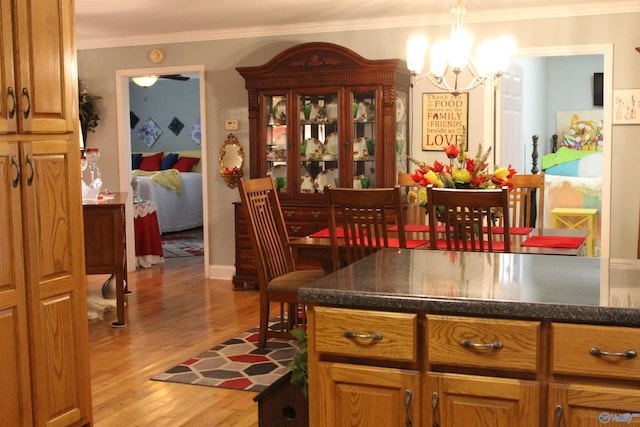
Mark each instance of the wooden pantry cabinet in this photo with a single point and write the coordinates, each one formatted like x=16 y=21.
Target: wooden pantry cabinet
x=43 y=317
x=320 y=114
x=455 y=371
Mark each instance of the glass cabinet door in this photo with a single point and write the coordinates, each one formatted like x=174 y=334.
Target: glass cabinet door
x=319 y=141
x=402 y=130
x=364 y=137
x=277 y=140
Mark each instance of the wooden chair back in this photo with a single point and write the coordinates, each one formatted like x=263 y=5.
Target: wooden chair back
x=416 y=214
x=526 y=200
x=364 y=216
x=267 y=229
x=468 y=216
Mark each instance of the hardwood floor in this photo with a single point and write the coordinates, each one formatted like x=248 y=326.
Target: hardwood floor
x=173 y=314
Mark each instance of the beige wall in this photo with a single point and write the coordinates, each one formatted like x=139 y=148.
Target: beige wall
x=226 y=99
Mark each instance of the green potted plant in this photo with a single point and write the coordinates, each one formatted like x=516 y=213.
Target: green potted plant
x=299 y=364
x=88 y=110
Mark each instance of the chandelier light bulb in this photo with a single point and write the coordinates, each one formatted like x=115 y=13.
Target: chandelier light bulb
x=416 y=50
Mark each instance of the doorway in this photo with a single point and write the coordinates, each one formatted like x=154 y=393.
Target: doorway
x=124 y=146
x=606 y=52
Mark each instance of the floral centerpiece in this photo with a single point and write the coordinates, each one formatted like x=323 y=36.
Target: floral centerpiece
x=463 y=171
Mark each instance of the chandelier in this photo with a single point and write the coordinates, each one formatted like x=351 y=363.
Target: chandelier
x=454 y=56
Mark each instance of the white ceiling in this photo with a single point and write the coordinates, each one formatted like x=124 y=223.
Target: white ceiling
x=111 y=23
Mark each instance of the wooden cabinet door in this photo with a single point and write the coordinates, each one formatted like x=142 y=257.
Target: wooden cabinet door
x=56 y=289
x=466 y=400
x=575 y=405
x=354 y=395
x=15 y=399
x=9 y=104
x=46 y=76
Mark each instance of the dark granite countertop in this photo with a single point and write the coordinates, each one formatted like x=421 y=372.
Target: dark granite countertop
x=523 y=286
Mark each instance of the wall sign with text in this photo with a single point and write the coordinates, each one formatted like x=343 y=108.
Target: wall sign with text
x=444 y=118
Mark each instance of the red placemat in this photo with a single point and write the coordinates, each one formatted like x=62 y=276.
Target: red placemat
x=554 y=242
x=325 y=233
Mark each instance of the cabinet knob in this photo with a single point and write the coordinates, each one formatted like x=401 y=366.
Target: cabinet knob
x=316 y=214
x=295 y=228
x=289 y=214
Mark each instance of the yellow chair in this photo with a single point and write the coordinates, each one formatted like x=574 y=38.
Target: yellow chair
x=278 y=279
x=574 y=219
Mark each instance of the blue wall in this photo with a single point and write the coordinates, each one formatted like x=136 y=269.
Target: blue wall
x=162 y=102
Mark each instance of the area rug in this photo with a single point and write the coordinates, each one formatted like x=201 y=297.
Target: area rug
x=236 y=364
x=183 y=243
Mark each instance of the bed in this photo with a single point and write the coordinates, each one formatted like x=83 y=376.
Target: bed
x=177 y=195
x=573 y=179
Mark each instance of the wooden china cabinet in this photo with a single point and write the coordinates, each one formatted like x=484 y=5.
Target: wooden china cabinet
x=44 y=347
x=320 y=114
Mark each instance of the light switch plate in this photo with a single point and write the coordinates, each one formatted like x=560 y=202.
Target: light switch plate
x=231 y=125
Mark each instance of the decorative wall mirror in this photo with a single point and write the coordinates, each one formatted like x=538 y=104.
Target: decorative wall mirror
x=231 y=161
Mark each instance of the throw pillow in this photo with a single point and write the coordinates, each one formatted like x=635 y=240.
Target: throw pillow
x=136 y=159
x=168 y=161
x=151 y=163
x=185 y=164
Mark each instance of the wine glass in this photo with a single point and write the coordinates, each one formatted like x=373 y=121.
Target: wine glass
x=92 y=155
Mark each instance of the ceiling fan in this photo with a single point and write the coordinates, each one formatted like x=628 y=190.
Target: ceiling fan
x=179 y=77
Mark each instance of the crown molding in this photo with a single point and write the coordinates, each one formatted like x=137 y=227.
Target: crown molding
x=429 y=20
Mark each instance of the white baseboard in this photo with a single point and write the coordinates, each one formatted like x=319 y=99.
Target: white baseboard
x=222 y=272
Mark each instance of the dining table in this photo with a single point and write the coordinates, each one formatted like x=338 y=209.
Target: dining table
x=317 y=246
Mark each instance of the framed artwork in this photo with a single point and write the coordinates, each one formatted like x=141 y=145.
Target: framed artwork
x=149 y=132
x=626 y=107
x=444 y=118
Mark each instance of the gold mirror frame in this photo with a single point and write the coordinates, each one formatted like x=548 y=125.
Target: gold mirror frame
x=231 y=161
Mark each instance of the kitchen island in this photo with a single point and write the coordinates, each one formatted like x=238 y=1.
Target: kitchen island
x=422 y=338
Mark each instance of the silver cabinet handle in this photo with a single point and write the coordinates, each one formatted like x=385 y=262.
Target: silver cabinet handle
x=289 y=214
x=13 y=98
x=434 y=410
x=30 y=163
x=407 y=406
x=492 y=345
x=559 y=413
x=15 y=164
x=26 y=112
x=629 y=354
x=372 y=335
x=316 y=214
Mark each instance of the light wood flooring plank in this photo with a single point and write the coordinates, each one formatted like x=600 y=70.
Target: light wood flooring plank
x=173 y=314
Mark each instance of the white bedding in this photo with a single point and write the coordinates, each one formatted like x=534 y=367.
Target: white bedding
x=176 y=212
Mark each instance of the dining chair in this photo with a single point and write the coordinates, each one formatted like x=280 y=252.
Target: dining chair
x=364 y=218
x=468 y=216
x=526 y=200
x=416 y=214
x=278 y=280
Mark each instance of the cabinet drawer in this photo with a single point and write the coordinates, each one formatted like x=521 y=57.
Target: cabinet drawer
x=572 y=344
x=483 y=343
x=399 y=332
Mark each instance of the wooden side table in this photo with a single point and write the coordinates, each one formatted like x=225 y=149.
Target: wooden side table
x=576 y=218
x=104 y=243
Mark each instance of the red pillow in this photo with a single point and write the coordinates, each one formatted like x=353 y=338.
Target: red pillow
x=185 y=164
x=151 y=163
